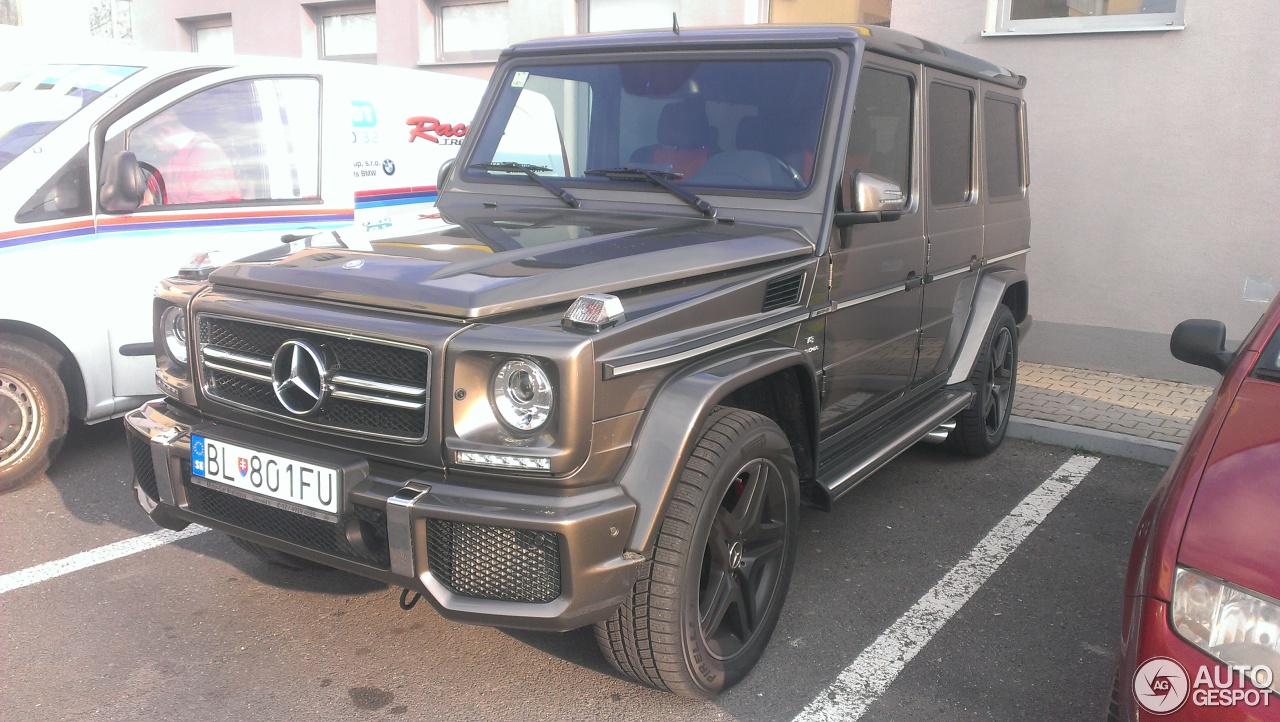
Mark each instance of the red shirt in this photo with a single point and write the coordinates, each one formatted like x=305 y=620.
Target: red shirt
x=200 y=172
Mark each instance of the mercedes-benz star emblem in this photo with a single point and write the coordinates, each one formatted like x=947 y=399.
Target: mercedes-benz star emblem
x=298 y=375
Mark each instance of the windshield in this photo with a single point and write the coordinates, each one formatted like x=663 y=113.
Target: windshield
x=35 y=99
x=733 y=124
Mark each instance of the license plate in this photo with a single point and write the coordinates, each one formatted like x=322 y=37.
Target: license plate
x=266 y=478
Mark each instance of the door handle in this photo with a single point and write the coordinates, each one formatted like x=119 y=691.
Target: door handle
x=914 y=281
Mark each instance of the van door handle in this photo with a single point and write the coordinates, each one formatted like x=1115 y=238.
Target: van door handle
x=914 y=281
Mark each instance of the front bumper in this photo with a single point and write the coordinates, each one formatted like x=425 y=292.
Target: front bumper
x=1151 y=637
x=510 y=557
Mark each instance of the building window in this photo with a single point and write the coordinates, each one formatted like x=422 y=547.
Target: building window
x=865 y=12
x=348 y=33
x=471 y=30
x=111 y=19
x=210 y=34
x=606 y=15
x=1043 y=17
x=9 y=12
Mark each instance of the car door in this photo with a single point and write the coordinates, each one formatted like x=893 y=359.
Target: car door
x=232 y=162
x=877 y=268
x=953 y=218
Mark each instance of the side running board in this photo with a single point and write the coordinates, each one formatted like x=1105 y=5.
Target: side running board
x=871 y=452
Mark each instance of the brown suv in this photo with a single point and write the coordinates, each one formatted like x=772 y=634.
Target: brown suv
x=684 y=283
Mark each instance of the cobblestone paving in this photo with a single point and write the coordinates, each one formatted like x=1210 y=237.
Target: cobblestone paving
x=1160 y=410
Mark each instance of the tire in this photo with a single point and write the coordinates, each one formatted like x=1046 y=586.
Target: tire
x=33 y=411
x=981 y=428
x=278 y=558
x=689 y=626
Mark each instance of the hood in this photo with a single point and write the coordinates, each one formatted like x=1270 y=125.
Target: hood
x=490 y=263
x=1233 y=530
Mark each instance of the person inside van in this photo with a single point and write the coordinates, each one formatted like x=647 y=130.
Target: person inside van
x=196 y=170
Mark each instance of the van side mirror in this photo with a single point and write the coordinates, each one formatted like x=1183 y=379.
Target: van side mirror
x=121 y=185
x=442 y=176
x=1201 y=342
x=869 y=198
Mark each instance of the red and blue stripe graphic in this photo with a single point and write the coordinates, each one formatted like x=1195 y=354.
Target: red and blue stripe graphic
x=156 y=223
x=395 y=197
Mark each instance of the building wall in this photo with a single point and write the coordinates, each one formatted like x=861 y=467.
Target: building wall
x=1154 y=175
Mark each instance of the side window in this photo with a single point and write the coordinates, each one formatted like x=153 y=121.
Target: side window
x=880 y=141
x=248 y=140
x=950 y=147
x=1004 y=150
x=65 y=195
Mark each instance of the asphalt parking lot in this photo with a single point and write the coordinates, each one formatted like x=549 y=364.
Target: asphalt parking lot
x=200 y=630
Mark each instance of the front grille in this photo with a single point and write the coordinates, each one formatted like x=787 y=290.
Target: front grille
x=493 y=562
x=144 y=469
x=373 y=388
x=359 y=535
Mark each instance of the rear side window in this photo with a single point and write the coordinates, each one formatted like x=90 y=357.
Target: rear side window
x=950 y=145
x=880 y=140
x=1004 y=150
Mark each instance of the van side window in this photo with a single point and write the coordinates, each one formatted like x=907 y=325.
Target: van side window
x=880 y=140
x=64 y=195
x=950 y=145
x=1004 y=151
x=248 y=140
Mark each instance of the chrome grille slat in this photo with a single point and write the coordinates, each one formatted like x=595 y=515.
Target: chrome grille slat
x=361 y=382
x=374 y=388
x=238 y=372
x=224 y=355
x=368 y=399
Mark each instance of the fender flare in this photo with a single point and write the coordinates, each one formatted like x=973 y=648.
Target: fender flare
x=669 y=431
x=986 y=299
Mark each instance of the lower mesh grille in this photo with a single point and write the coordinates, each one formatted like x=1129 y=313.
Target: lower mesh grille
x=369 y=545
x=493 y=562
x=144 y=469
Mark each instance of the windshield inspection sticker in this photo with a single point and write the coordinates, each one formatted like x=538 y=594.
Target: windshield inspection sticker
x=518 y=80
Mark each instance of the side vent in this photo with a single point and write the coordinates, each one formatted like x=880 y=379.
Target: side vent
x=782 y=292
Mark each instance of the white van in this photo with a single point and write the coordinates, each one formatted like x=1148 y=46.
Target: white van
x=116 y=172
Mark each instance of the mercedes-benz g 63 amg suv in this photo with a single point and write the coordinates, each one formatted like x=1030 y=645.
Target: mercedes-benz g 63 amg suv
x=683 y=283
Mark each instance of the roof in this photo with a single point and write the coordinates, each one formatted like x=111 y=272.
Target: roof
x=894 y=43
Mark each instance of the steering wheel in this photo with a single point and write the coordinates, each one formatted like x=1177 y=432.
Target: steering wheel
x=155 y=193
x=790 y=173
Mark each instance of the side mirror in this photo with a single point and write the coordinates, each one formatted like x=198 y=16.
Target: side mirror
x=1201 y=342
x=121 y=185
x=442 y=176
x=869 y=198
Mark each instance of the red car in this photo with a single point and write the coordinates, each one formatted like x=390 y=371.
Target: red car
x=1200 y=638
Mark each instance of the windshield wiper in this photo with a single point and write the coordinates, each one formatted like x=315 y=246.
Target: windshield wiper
x=532 y=172
x=658 y=178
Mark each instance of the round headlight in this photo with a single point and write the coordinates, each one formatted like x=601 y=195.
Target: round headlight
x=522 y=395
x=173 y=326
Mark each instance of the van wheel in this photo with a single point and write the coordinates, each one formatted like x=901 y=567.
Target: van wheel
x=275 y=557
x=33 y=412
x=981 y=427
x=711 y=591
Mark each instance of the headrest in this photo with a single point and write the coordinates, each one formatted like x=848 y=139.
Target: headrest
x=684 y=125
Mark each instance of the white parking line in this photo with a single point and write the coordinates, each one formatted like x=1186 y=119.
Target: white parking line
x=76 y=562
x=862 y=682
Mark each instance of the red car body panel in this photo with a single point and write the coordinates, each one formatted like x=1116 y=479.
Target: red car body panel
x=1233 y=531
x=1217 y=510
